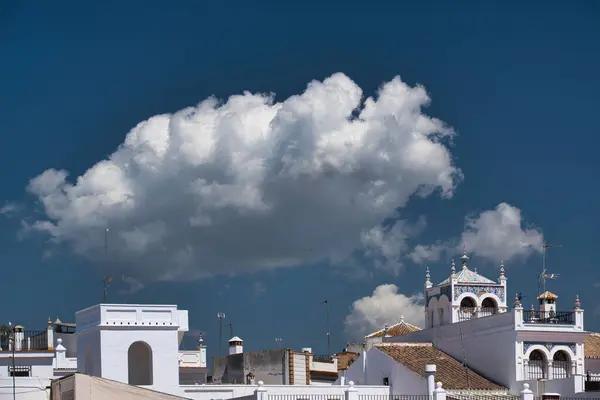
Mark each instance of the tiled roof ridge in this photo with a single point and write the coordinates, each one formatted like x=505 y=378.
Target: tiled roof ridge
x=405 y=344
x=378 y=333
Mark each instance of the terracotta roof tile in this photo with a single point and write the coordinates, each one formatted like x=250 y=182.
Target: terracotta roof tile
x=591 y=345
x=346 y=359
x=450 y=372
x=400 y=329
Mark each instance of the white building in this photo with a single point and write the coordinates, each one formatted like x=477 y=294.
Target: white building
x=467 y=318
x=127 y=351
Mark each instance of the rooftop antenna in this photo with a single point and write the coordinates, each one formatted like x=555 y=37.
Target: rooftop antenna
x=107 y=278
x=465 y=364
x=220 y=317
x=543 y=275
x=278 y=340
x=326 y=303
x=230 y=330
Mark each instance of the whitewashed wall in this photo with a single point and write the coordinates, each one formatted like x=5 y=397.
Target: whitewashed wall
x=30 y=388
x=299 y=365
x=379 y=366
x=489 y=346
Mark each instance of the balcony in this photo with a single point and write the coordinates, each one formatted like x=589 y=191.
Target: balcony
x=467 y=313
x=592 y=382
x=25 y=341
x=549 y=317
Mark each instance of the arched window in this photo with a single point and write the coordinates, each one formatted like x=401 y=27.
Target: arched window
x=468 y=309
x=561 y=365
x=536 y=368
x=488 y=307
x=139 y=364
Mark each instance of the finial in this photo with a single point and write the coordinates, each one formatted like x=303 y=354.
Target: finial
x=475 y=270
x=351 y=383
x=577 y=302
x=49 y=321
x=517 y=302
x=59 y=341
x=427 y=275
x=501 y=269
x=453 y=267
x=464 y=258
x=402 y=318
x=438 y=385
x=531 y=308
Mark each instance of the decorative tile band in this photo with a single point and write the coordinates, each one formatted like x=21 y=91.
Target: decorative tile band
x=479 y=290
x=549 y=346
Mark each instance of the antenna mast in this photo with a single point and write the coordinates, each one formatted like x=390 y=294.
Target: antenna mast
x=543 y=275
x=107 y=279
x=278 y=340
x=220 y=317
x=326 y=302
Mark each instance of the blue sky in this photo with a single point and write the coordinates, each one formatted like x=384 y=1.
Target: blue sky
x=516 y=82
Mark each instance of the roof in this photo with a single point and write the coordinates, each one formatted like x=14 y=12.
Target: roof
x=235 y=339
x=450 y=371
x=591 y=345
x=465 y=275
x=400 y=329
x=547 y=296
x=346 y=358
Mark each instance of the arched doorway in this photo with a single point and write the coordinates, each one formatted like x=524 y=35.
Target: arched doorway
x=537 y=366
x=488 y=307
x=468 y=309
x=561 y=365
x=139 y=364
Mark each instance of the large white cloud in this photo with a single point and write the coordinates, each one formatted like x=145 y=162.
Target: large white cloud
x=250 y=183
x=384 y=306
x=500 y=234
x=497 y=235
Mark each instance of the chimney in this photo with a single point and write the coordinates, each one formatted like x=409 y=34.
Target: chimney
x=236 y=345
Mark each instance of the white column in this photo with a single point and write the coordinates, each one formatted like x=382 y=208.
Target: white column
x=526 y=394
x=351 y=392
x=578 y=318
x=50 y=336
x=61 y=354
x=439 y=393
x=364 y=367
x=261 y=391
x=518 y=311
x=430 y=371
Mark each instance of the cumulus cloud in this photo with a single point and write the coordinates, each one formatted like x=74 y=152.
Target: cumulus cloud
x=431 y=252
x=251 y=183
x=9 y=209
x=387 y=244
x=384 y=306
x=498 y=235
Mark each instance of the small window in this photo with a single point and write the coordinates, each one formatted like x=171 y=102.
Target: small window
x=19 y=370
x=386 y=381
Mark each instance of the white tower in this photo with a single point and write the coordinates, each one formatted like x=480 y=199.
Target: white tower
x=131 y=343
x=236 y=345
x=464 y=295
x=547 y=303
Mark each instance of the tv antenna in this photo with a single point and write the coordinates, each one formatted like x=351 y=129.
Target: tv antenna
x=326 y=303
x=544 y=275
x=220 y=317
x=107 y=279
x=230 y=330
